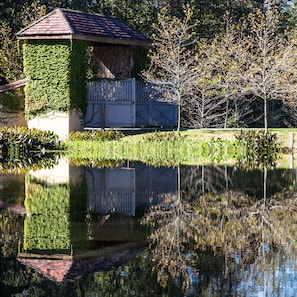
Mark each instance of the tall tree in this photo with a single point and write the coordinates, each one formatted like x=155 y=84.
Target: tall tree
x=140 y=14
x=217 y=101
x=172 y=59
x=268 y=71
x=10 y=57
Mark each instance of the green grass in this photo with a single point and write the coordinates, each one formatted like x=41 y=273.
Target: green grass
x=158 y=148
x=206 y=134
x=207 y=146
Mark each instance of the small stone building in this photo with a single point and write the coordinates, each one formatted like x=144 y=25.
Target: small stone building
x=55 y=49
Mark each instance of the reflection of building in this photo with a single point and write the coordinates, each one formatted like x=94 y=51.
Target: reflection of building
x=54 y=269
x=47 y=222
x=153 y=184
x=81 y=219
x=12 y=189
x=111 y=190
x=62 y=269
x=123 y=190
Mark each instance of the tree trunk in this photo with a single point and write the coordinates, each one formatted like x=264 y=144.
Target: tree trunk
x=227 y=111
x=265 y=116
x=178 y=116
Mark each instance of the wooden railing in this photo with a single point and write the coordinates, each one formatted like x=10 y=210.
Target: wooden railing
x=121 y=90
x=111 y=90
x=127 y=103
x=12 y=86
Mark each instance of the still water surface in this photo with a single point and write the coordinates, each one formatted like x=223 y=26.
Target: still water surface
x=137 y=230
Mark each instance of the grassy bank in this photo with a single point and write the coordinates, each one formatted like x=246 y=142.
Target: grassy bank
x=157 y=153
x=158 y=148
x=209 y=134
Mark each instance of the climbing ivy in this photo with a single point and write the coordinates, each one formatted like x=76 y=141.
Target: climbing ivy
x=56 y=71
x=78 y=66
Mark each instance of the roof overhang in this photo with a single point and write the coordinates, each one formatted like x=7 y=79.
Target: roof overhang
x=90 y=39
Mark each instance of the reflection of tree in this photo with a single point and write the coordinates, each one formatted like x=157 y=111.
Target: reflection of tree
x=11 y=230
x=235 y=225
x=196 y=180
x=171 y=222
x=201 y=179
x=231 y=224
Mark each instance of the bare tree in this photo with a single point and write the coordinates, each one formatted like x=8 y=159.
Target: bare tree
x=173 y=58
x=269 y=68
x=217 y=101
x=206 y=106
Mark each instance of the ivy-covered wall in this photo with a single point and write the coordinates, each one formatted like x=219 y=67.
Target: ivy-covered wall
x=56 y=73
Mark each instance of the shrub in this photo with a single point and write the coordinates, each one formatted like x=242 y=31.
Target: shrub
x=261 y=148
x=168 y=136
x=98 y=135
x=19 y=141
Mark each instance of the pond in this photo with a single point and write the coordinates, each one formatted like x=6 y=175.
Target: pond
x=138 y=230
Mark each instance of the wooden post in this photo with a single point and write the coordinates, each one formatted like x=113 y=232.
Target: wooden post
x=291 y=145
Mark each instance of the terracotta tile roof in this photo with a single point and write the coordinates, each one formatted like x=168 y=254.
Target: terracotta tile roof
x=55 y=270
x=66 y=23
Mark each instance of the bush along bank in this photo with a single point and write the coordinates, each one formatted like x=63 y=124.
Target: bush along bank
x=261 y=149
x=18 y=142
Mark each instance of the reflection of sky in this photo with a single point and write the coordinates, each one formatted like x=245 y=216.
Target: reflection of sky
x=276 y=279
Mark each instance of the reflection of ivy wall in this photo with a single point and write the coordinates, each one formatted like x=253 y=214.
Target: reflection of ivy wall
x=47 y=224
x=56 y=72
x=12 y=101
x=78 y=206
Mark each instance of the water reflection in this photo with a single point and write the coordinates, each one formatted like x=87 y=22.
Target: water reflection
x=12 y=109
x=77 y=215
x=211 y=231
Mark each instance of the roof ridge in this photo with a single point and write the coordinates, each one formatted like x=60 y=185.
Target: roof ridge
x=45 y=17
x=36 y=22
x=60 y=10
x=90 y=13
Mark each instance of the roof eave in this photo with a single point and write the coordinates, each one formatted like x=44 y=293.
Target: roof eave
x=90 y=38
x=110 y=40
x=44 y=37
